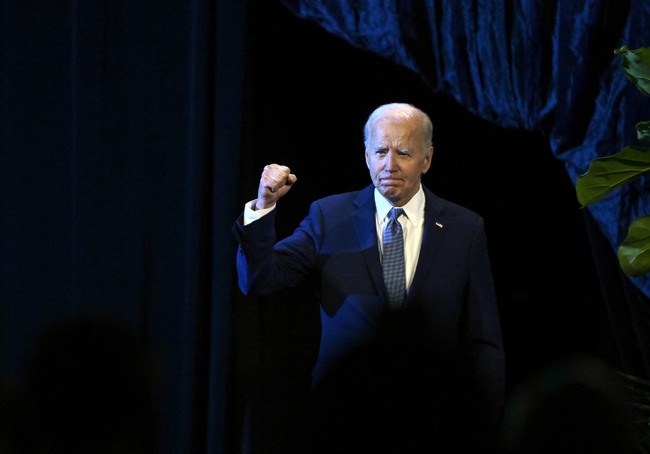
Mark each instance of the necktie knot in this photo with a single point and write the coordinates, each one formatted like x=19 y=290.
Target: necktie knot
x=395 y=213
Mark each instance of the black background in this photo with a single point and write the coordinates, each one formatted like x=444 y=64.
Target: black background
x=308 y=96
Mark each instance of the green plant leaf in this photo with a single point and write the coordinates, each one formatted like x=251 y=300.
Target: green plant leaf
x=636 y=66
x=611 y=172
x=643 y=130
x=634 y=252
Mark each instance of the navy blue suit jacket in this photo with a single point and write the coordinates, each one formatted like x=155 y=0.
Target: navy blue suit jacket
x=452 y=289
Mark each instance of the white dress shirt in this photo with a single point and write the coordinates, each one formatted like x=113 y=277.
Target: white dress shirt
x=251 y=215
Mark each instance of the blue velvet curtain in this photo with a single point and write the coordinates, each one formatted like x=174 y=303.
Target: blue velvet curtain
x=114 y=117
x=543 y=66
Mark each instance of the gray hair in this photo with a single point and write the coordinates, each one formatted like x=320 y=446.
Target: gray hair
x=400 y=111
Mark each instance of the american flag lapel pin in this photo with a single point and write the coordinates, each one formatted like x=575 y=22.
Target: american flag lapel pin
x=439 y=224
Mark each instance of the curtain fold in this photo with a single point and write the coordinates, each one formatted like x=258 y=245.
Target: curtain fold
x=108 y=205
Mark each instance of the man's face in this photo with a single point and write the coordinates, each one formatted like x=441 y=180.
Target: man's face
x=396 y=158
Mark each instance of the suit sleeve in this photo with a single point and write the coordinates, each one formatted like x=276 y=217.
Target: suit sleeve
x=265 y=267
x=484 y=331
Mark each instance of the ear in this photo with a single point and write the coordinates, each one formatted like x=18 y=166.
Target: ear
x=427 y=161
x=367 y=156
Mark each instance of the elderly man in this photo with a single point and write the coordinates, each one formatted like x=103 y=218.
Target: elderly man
x=389 y=249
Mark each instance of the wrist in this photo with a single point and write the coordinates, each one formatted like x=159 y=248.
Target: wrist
x=260 y=204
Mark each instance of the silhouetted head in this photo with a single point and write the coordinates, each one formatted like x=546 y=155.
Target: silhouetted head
x=573 y=406
x=88 y=389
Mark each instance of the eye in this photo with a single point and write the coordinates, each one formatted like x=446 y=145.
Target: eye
x=403 y=153
x=381 y=151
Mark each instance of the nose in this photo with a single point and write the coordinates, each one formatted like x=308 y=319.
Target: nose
x=390 y=162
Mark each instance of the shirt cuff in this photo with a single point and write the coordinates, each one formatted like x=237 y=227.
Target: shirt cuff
x=251 y=215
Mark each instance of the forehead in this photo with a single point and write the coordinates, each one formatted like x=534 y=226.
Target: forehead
x=396 y=129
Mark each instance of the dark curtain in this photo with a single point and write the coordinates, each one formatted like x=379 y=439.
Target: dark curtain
x=119 y=131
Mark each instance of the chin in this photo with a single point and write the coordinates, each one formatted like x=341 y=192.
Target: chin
x=393 y=196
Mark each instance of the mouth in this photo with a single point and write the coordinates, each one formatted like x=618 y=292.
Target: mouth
x=389 y=181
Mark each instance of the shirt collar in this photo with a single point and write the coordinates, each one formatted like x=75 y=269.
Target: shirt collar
x=414 y=209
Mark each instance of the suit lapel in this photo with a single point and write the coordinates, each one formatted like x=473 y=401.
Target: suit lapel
x=363 y=219
x=435 y=228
